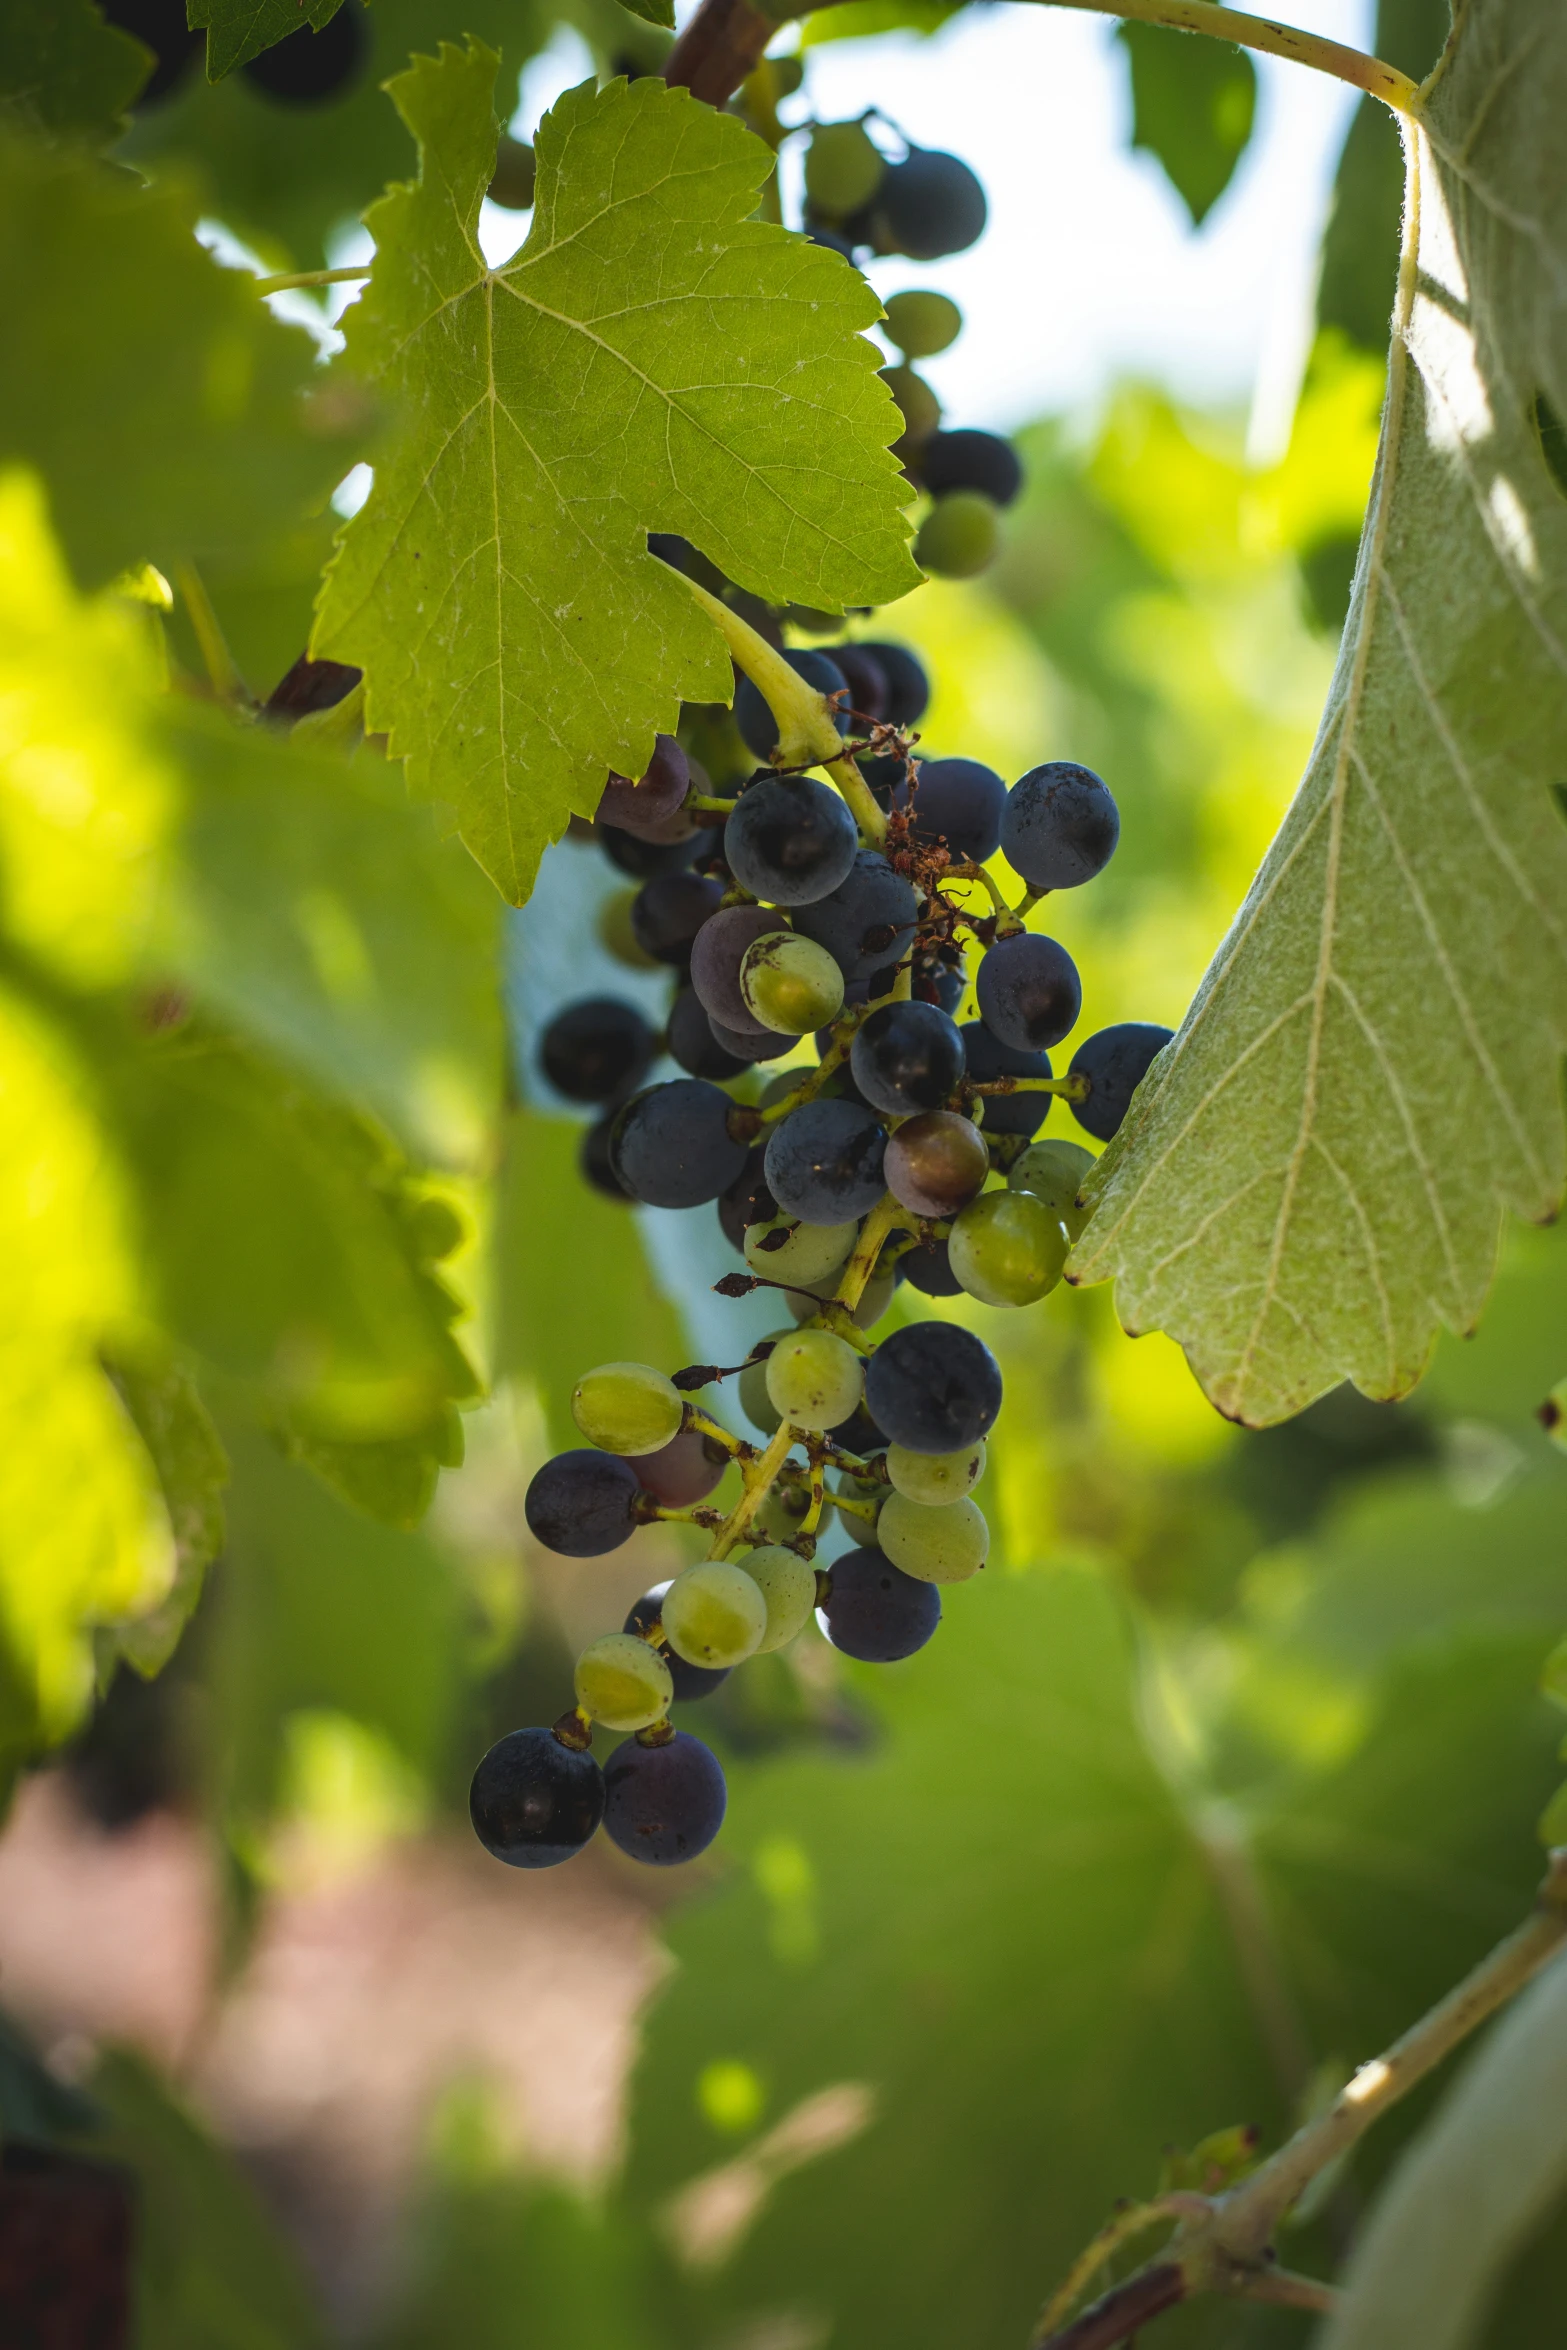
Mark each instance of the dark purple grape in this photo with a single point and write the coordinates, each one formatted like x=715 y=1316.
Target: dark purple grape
x=581 y=1504
x=1115 y=1062
x=1006 y=1113
x=717 y=952
x=908 y=687
x=648 y=803
x=859 y=1433
x=936 y=983
x=747 y=1201
x=595 y=1049
x=867 y=921
x=691 y=1042
x=759 y=1044
x=933 y=1386
x=664 y=1804
x=1061 y=826
x=790 y=840
x=929 y=205
x=668 y=911
x=1029 y=992
x=971 y=461
x=824 y=1162
x=936 y=1163
x=643 y=859
x=820 y=234
x=595 y=1160
x=929 y=1268
x=683 y=1471
x=691 y=1681
x=161 y=25
x=310 y=68
x=759 y=728
x=866 y=679
x=534 y=1800
x=874 y=1611
x=906 y=1058
x=672 y=1147
x=960 y=801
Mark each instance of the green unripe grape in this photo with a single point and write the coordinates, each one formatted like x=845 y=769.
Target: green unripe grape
x=627 y=1407
x=810 y=1253
x=714 y=1615
x=919 y=404
x=782 y=1514
x=922 y=324
x=843 y=168
x=936 y=1478
x=1053 y=1172
x=755 y=1401
x=859 y=1489
x=877 y=1297
x=617 y=936
x=814 y=1378
x=622 y=1682
x=1007 y=1248
x=959 y=537
x=787 y=1584
x=790 y=984
x=944 y=1545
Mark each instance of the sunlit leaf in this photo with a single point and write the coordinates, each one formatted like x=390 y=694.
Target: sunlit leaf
x=192 y=1470
x=1314 y=1177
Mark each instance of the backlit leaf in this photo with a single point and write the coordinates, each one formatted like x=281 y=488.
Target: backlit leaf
x=1314 y=1176
x=237 y=29
x=1192 y=106
x=653 y=359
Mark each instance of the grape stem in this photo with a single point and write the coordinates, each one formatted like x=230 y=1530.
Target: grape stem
x=1395 y=89
x=852 y=1509
x=290 y=278
x=222 y=670
x=1007 y=922
x=857 y=1272
x=1070 y=1089
x=758 y=1477
x=698 y=1423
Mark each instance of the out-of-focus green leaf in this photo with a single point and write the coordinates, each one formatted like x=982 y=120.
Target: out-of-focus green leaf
x=33 y=2104
x=859 y=20
x=1193 y=101
x=64 y=72
x=212 y=2272
x=192 y=1469
x=659 y=12
x=237 y=29
x=653 y=359
x=393 y=1480
x=1468 y=2193
x=1313 y=1179
x=163 y=404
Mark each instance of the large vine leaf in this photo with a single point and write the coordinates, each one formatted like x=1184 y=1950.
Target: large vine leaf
x=1314 y=1175
x=653 y=359
x=239 y=29
x=66 y=73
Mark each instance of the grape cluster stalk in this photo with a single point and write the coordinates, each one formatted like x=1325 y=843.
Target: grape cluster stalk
x=908 y=1153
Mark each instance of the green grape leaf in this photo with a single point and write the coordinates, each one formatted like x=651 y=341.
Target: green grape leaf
x=858 y=20
x=1470 y=2191
x=64 y=72
x=659 y=12
x=1360 y=243
x=162 y=403
x=1313 y=1177
x=238 y=29
x=1193 y=102
x=192 y=1470
x=653 y=359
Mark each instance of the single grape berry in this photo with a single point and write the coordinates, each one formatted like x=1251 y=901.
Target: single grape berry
x=783 y=1249
x=926 y=1266
x=832 y=239
x=908 y=687
x=933 y=1386
x=1054 y=1172
x=311 y=68
x=868 y=688
x=921 y=324
x=690 y=1041
x=668 y=911
x=534 y=1800
x=867 y=921
x=906 y=1058
x=790 y=984
x=689 y=1682
x=759 y=728
x=787 y=1584
x=988 y=1057
x=746 y=1202
x=874 y=1611
x=917 y=404
x=1060 y=827
x=814 y=1379
x=843 y=168
x=644 y=859
x=717 y=952
x=960 y=536
x=581 y=1504
x=935 y=1478
x=595 y=1161
x=824 y=1162
x=684 y=1470
x=960 y=801
x=1115 y=1062
x=1029 y=992
x=1007 y=1248
x=937 y=982
x=755 y=1401
x=970 y=460
x=663 y=1804
x=672 y=1147
x=942 y=1544
x=714 y=1614
x=649 y=802
x=790 y=840
x=622 y=1682
x=936 y=1163
x=596 y=1049
x=627 y=1407
x=929 y=205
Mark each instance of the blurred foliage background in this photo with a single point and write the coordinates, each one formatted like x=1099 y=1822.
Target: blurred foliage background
x=1230 y=1763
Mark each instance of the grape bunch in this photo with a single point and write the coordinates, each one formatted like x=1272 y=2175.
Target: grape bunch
x=908 y=1151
